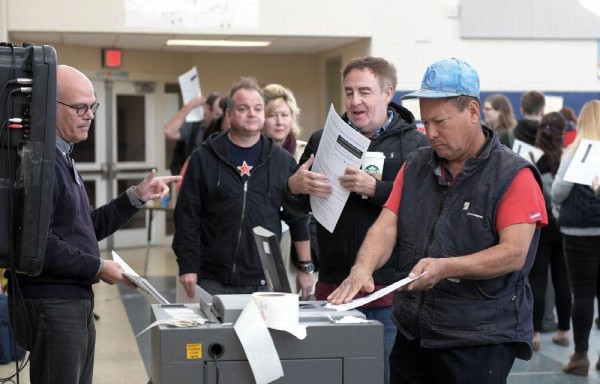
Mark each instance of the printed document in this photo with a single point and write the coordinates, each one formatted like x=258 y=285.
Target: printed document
x=147 y=289
x=189 y=83
x=340 y=146
x=526 y=151
x=585 y=163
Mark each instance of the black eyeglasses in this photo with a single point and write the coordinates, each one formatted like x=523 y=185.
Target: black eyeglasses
x=82 y=109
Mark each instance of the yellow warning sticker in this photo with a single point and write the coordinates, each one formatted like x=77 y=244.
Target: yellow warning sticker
x=194 y=351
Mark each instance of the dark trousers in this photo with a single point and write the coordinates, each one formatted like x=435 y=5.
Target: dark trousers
x=550 y=254
x=60 y=336
x=412 y=364
x=583 y=263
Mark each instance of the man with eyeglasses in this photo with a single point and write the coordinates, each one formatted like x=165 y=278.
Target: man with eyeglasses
x=82 y=109
x=52 y=313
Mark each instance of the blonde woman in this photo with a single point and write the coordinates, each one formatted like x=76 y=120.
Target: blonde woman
x=579 y=221
x=281 y=118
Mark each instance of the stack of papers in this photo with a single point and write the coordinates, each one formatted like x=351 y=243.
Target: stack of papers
x=147 y=289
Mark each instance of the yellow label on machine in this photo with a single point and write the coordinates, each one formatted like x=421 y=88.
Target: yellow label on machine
x=194 y=351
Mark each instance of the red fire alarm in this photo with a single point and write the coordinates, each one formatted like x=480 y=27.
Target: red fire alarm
x=111 y=57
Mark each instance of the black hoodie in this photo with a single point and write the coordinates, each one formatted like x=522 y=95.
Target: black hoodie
x=217 y=210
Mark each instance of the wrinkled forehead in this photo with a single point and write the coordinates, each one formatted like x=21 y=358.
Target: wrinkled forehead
x=362 y=77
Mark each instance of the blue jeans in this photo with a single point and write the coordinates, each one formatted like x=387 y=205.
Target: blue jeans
x=60 y=335
x=384 y=316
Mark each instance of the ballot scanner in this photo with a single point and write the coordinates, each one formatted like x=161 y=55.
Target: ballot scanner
x=211 y=353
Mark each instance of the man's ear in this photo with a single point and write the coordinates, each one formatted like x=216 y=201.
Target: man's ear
x=474 y=111
x=389 y=93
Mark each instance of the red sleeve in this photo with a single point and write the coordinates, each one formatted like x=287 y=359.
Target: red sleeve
x=393 y=202
x=522 y=203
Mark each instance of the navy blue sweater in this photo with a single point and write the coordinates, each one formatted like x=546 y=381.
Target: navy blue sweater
x=72 y=259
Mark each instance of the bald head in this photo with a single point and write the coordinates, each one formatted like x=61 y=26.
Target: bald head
x=75 y=90
x=71 y=81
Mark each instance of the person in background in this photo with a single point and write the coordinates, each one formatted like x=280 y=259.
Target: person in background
x=52 y=313
x=281 y=117
x=233 y=184
x=578 y=213
x=532 y=110
x=281 y=125
x=464 y=216
x=220 y=124
x=189 y=135
x=369 y=84
x=498 y=113
x=550 y=253
x=571 y=130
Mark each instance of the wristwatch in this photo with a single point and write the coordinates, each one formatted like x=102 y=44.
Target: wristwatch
x=306 y=266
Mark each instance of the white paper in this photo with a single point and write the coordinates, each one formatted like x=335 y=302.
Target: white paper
x=373 y=296
x=147 y=289
x=189 y=83
x=553 y=103
x=180 y=318
x=526 y=151
x=340 y=147
x=585 y=163
x=258 y=345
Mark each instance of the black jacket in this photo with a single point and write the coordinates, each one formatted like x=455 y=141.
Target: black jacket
x=337 y=250
x=217 y=210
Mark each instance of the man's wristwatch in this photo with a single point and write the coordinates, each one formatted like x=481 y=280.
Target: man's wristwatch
x=306 y=266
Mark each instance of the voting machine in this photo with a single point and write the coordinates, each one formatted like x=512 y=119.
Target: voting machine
x=212 y=353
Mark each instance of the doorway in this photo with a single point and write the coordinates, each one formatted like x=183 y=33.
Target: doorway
x=120 y=150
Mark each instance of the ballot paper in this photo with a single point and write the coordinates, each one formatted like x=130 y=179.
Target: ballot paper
x=526 y=151
x=585 y=163
x=266 y=310
x=374 y=296
x=340 y=146
x=147 y=289
x=179 y=317
x=189 y=83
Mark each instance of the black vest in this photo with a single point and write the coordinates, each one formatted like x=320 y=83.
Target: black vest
x=438 y=221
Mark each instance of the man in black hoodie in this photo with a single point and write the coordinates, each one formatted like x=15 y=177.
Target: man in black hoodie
x=532 y=110
x=232 y=184
x=369 y=84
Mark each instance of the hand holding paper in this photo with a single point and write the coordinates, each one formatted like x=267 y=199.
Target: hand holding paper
x=306 y=182
x=147 y=289
x=374 y=296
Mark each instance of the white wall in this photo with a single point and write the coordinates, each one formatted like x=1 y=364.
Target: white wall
x=412 y=34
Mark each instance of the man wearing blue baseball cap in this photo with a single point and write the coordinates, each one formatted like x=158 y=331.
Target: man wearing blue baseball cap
x=464 y=215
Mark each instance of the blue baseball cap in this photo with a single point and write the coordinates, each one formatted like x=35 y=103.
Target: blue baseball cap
x=448 y=78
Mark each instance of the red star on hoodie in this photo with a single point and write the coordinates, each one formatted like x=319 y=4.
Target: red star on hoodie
x=245 y=169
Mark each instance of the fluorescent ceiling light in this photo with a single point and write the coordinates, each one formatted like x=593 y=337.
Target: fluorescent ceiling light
x=219 y=43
